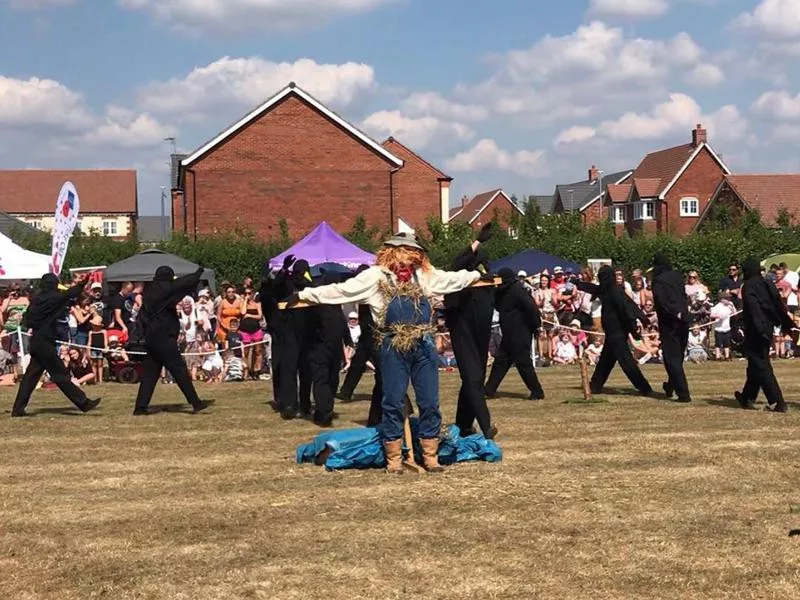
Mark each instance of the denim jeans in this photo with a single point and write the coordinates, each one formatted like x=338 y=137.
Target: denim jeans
x=420 y=367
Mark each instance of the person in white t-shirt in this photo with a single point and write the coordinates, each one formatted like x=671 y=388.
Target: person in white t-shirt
x=721 y=314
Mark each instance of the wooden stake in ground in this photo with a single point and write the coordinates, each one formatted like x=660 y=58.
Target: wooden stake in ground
x=587 y=390
x=409 y=463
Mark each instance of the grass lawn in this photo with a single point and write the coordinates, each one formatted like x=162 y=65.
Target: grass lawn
x=629 y=498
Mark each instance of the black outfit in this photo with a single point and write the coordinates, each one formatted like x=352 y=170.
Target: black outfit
x=124 y=306
x=42 y=316
x=366 y=351
x=763 y=311
x=161 y=327
x=669 y=298
x=468 y=315
x=728 y=284
x=618 y=318
x=520 y=321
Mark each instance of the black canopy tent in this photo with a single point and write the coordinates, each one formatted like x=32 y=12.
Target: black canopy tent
x=142 y=267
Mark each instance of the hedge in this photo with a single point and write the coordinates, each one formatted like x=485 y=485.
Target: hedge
x=240 y=253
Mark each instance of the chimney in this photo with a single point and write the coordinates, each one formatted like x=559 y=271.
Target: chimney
x=464 y=200
x=594 y=174
x=699 y=136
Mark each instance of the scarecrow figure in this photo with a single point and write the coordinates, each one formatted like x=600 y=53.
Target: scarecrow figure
x=398 y=289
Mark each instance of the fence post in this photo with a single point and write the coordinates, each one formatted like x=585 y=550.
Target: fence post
x=20 y=351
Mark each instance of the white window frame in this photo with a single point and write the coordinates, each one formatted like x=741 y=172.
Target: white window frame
x=640 y=210
x=616 y=211
x=108 y=226
x=37 y=224
x=690 y=213
x=513 y=233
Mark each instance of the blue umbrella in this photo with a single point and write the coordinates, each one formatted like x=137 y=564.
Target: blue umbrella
x=533 y=261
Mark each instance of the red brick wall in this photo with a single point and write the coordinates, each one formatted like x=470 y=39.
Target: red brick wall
x=700 y=180
x=292 y=163
x=416 y=188
x=499 y=205
x=596 y=212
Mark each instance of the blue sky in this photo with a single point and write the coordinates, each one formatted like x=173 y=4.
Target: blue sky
x=514 y=94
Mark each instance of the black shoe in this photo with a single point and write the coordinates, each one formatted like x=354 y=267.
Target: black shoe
x=744 y=402
x=19 y=413
x=536 y=396
x=492 y=433
x=668 y=390
x=90 y=405
x=324 y=420
x=274 y=406
x=287 y=414
x=778 y=407
x=344 y=397
x=141 y=412
x=201 y=406
x=684 y=399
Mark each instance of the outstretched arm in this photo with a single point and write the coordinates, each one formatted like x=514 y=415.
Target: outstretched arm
x=442 y=283
x=355 y=290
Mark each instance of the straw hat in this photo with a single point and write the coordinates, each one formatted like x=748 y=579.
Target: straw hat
x=403 y=240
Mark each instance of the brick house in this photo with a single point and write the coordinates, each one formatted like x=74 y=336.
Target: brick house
x=587 y=196
x=108 y=199
x=292 y=158
x=669 y=190
x=483 y=208
x=768 y=194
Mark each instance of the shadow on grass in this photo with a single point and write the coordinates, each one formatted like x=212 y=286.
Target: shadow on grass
x=170 y=408
x=584 y=401
x=724 y=403
x=510 y=396
x=67 y=411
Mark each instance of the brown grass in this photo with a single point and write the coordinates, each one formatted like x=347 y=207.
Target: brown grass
x=634 y=498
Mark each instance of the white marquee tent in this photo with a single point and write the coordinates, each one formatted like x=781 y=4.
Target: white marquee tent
x=18 y=263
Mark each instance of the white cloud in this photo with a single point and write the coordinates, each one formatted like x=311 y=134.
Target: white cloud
x=41 y=102
x=415 y=132
x=773 y=18
x=486 y=154
x=124 y=128
x=706 y=75
x=575 y=134
x=36 y=4
x=243 y=83
x=628 y=8
x=233 y=16
x=434 y=104
x=778 y=105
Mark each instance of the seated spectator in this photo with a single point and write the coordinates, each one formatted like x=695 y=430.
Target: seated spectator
x=444 y=347
x=212 y=365
x=233 y=369
x=694 y=285
x=115 y=351
x=640 y=294
x=647 y=349
x=650 y=312
x=721 y=314
x=619 y=277
x=594 y=349
x=696 y=349
x=80 y=368
x=579 y=339
x=565 y=353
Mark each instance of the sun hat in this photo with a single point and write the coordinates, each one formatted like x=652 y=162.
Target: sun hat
x=353 y=315
x=558 y=271
x=97 y=286
x=522 y=274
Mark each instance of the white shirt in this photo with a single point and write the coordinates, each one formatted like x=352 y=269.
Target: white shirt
x=355 y=333
x=212 y=361
x=793 y=278
x=722 y=313
x=365 y=288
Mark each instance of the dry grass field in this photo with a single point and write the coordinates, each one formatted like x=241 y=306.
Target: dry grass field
x=624 y=498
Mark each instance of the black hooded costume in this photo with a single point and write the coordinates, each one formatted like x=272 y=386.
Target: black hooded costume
x=763 y=311
x=672 y=308
x=618 y=318
x=469 y=319
x=519 y=321
x=366 y=351
x=160 y=326
x=42 y=316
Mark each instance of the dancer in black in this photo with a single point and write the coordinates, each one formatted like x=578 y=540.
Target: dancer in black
x=469 y=319
x=763 y=311
x=160 y=325
x=672 y=308
x=42 y=316
x=519 y=322
x=619 y=319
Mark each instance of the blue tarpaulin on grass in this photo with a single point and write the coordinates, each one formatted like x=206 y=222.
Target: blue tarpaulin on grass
x=362 y=448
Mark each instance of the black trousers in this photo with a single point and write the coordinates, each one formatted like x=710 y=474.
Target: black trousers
x=285 y=359
x=163 y=352
x=617 y=351
x=674 y=340
x=760 y=375
x=517 y=353
x=471 y=349
x=44 y=357
x=324 y=361
x=358 y=365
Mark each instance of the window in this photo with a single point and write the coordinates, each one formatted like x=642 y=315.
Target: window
x=617 y=214
x=512 y=233
x=644 y=211
x=110 y=228
x=690 y=207
x=37 y=224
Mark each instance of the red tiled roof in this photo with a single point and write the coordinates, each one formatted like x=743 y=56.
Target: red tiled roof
x=647 y=187
x=475 y=206
x=768 y=193
x=35 y=192
x=392 y=145
x=619 y=193
x=663 y=165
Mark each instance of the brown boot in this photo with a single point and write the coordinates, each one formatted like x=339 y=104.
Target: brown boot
x=394 y=456
x=430 y=455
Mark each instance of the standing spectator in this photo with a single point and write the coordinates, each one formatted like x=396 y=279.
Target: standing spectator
x=97 y=345
x=135 y=333
x=120 y=319
x=351 y=340
x=694 y=286
x=638 y=273
x=732 y=283
x=13 y=308
x=191 y=325
x=544 y=297
x=230 y=307
x=721 y=314
x=619 y=279
x=252 y=335
x=793 y=277
x=205 y=309
x=82 y=314
x=640 y=294
x=98 y=302
x=583 y=303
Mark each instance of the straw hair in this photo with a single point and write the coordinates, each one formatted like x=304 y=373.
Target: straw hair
x=396 y=257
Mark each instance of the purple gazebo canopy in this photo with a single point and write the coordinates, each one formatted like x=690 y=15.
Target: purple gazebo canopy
x=324 y=245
